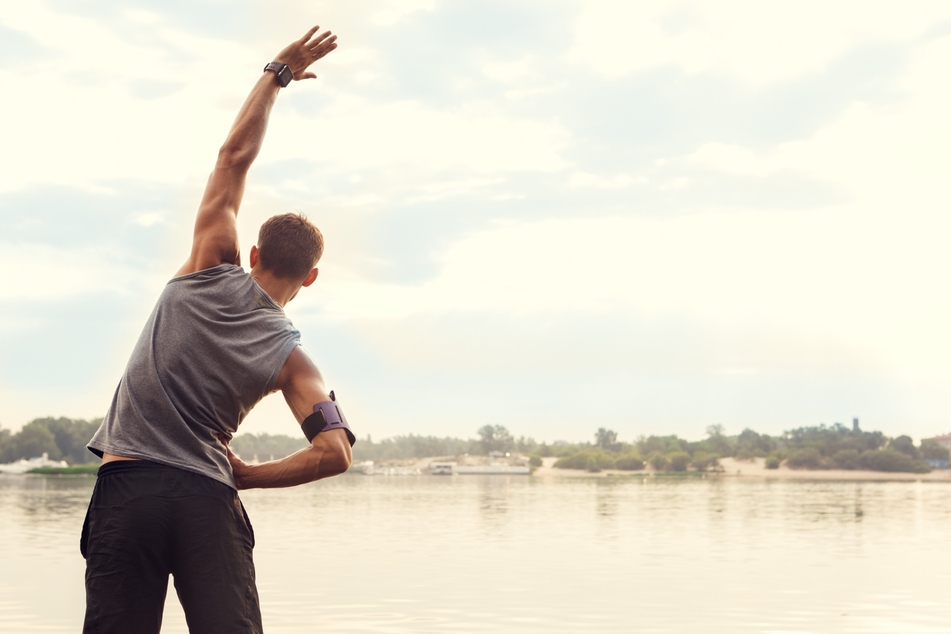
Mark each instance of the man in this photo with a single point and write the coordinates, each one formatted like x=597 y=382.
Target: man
x=216 y=343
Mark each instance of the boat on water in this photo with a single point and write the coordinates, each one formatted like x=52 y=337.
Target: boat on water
x=450 y=468
x=25 y=465
x=441 y=468
x=493 y=469
x=368 y=468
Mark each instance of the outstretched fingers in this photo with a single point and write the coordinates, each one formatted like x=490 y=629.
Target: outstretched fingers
x=320 y=46
x=309 y=34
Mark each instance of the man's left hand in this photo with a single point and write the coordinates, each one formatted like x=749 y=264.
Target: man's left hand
x=238 y=467
x=300 y=54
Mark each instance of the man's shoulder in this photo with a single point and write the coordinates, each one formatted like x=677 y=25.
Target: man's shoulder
x=219 y=272
x=218 y=287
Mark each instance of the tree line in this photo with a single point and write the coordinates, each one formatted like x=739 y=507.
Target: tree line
x=818 y=447
x=60 y=438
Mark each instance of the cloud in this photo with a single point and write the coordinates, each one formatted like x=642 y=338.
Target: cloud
x=393 y=11
x=89 y=120
x=585 y=179
x=44 y=271
x=754 y=43
x=890 y=156
x=414 y=140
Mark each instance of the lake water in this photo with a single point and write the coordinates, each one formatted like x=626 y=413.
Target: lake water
x=517 y=554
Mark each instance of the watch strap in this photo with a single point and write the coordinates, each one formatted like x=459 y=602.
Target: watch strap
x=282 y=71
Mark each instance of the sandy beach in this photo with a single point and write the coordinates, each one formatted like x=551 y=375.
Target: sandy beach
x=756 y=468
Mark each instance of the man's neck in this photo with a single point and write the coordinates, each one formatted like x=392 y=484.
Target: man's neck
x=279 y=289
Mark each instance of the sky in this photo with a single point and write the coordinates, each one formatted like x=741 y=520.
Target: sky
x=549 y=215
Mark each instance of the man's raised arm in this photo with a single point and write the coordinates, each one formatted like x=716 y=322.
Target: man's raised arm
x=215 y=239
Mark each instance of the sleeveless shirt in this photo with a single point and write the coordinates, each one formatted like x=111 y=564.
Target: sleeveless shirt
x=212 y=348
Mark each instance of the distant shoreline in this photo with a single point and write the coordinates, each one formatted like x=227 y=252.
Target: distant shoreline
x=756 y=468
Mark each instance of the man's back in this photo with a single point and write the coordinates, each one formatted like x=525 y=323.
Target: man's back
x=212 y=348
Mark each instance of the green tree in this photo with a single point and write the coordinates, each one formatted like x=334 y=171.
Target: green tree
x=412 y=446
x=4 y=438
x=631 y=461
x=847 y=459
x=930 y=450
x=35 y=440
x=679 y=460
x=703 y=461
x=526 y=444
x=750 y=444
x=905 y=445
x=606 y=439
x=827 y=440
x=72 y=436
x=717 y=440
x=892 y=460
x=495 y=438
x=658 y=461
x=589 y=459
x=807 y=458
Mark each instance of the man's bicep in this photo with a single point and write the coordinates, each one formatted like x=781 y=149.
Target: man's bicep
x=302 y=384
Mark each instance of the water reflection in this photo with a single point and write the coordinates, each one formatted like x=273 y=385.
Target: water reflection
x=519 y=555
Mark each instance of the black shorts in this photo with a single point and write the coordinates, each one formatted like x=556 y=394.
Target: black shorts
x=147 y=521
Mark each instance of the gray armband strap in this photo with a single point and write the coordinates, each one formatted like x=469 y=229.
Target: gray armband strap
x=327 y=415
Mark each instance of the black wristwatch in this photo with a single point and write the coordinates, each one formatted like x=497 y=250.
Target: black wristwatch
x=283 y=72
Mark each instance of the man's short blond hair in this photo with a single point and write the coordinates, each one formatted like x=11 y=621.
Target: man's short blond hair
x=290 y=245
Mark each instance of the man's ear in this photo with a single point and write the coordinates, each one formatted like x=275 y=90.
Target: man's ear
x=255 y=256
x=307 y=280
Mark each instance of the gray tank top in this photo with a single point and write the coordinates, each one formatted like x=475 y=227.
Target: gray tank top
x=212 y=348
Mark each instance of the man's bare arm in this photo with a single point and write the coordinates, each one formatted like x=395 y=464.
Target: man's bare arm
x=329 y=453
x=215 y=238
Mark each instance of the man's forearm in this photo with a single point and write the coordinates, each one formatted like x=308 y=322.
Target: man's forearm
x=328 y=456
x=247 y=133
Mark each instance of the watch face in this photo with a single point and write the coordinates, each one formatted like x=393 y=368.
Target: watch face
x=285 y=75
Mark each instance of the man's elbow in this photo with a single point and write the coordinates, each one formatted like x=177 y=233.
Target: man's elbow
x=233 y=155
x=335 y=459
x=340 y=459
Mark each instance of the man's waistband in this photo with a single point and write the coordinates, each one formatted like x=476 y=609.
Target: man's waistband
x=128 y=466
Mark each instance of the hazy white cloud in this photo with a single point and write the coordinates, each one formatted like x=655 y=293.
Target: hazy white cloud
x=43 y=272
x=893 y=158
x=821 y=272
x=107 y=133
x=755 y=43
x=392 y=11
x=585 y=179
x=509 y=71
x=83 y=125
x=417 y=140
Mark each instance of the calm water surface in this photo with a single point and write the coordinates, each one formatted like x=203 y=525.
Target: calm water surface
x=515 y=554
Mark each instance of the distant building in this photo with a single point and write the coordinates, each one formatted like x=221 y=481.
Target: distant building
x=937 y=464
x=855 y=424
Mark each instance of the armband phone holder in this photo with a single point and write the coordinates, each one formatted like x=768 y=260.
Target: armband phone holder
x=327 y=415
